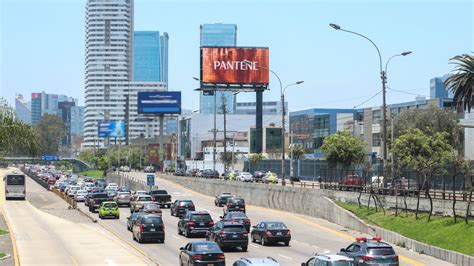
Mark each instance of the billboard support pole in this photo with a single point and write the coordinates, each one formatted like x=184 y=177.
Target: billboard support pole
x=259 y=121
x=160 y=153
x=215 y=131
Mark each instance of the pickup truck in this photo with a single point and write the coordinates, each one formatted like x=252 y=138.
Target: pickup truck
x=161 y=197
x=95 y=200
x=137 y=202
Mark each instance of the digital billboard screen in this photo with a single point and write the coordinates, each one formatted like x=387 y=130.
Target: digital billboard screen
x=159 y=102
x=234 y=65
x=113 y=129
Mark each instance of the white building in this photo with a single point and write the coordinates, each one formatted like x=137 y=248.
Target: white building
x=23 y=109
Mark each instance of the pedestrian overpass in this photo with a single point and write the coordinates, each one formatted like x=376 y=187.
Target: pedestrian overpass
x=77 y=164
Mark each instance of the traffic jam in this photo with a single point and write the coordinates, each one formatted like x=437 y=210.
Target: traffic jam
x=209 y=239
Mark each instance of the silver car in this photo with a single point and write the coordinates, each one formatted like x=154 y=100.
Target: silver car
x=80 y=195
x=123 y=198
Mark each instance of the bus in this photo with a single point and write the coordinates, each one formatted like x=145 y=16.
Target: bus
x=15 y=187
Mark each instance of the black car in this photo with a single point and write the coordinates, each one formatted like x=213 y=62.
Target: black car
x=222 y=198
x=148 y=227
x=238 y=217
x=161 y=197
x=100 y=183
x=201 y=253
x=194 y=223
x=229 y=235
x=209 y=173
x=271 y=232
x=234 y=204
x=258 y=175
x=111 y=194
x=132 y=218
x=367 y=250
x=180 y=207
x=180 y=172
x=95 y=199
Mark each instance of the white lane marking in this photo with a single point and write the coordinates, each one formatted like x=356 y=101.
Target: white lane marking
x=283 y=256
x=296 y=241
x=209 y=211
x=110 y=262
x=327 y=251
x=255 y=246
x=175 y=236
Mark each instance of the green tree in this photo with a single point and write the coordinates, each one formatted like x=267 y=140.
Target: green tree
x=16 y=137
x=425 y=154
x=343 y=150
x=297 y=152
x=461 y=82
x=50 y=130
x=430 y=121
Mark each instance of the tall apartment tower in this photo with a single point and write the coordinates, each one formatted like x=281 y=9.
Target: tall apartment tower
x=108 y=62
x=218 y=34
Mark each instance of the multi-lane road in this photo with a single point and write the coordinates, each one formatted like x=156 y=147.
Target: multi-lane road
x=56 y=241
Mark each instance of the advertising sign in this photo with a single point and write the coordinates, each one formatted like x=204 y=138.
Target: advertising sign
x=47 y=157
x=242 y=65
x=112 y=129
x=159 y=102
x=150 y=180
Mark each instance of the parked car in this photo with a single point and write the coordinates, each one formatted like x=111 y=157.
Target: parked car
x=201 y=253
x=123 y=198
x=124 y=168
x=238 y=217
x=132 y=218
x=271 y=233
x=137 y=202
x=195 y=223
x=149 y=169
x=148 y=227
x=96 y=199
x=192 y=172
x=180 y=207
x=352 y=181
x=369 y=249
x=329 y=260
x=180 y=172
x=234 y=204
x=229 y=235
x=151 y=208
x=80 y=195
x=209 y=173
x=244 y=177
x=270 y=178
x=161 y=197
x=109 y=209
x=222 y=198
x=268 y=261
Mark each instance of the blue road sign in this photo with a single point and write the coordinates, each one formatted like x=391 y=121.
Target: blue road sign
x=50 y=158
x=150 y=180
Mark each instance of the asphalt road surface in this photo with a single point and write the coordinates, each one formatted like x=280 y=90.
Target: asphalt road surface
x=57 y=238
x=309 y=235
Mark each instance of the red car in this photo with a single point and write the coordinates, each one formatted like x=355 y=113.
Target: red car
x=352 y=180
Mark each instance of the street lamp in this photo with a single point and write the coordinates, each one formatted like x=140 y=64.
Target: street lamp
x=282 y=92
x=383 y=76
x=214 y=131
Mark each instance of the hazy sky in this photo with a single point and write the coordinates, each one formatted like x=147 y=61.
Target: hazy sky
x=42 y=45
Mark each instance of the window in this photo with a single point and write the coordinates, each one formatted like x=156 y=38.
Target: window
x=376 y=140
x=376 y=117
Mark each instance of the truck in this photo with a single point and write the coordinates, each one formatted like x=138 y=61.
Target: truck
x=161 y=197
x=95 y=200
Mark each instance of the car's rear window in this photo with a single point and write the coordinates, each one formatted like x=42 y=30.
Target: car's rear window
x=186 y=203
x=381 y=251
x=205 y=247
x=100 y=195
x=238 y=201
x=144 y=199
x=276 y=226
x=204 y=216
x=341 y=263
x=237 y=215
x=152 y=220
x=234 y=228
x=159 y=192
x=152 y=207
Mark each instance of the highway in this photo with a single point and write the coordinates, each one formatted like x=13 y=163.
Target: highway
x=309 y=235
x=44 y=238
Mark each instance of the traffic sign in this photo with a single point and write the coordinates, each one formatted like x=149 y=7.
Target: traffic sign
x=50 y=158
x=150 y=180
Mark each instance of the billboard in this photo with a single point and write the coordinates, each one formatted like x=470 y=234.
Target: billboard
x=159 y=102
x=113 y=129
x=234 y=65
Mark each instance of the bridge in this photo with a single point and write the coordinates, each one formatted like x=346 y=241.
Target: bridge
x=77 y=164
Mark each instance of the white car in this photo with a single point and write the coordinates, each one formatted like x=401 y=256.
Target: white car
x=112 y=186
x=73 y=190
x=140 y=192
x=329 y=260
x=80 y=183
x=244 y=177
x=88 y=186
x=80 y=195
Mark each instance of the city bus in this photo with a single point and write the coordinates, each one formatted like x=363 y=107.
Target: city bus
x=15 y=186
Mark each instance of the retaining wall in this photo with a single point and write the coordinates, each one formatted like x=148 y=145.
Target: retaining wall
x=306 y=201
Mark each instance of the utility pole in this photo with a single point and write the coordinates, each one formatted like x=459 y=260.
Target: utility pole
x=392 y=167
x=224 y=111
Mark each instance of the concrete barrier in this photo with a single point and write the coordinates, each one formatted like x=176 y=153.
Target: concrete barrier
x=307 y=201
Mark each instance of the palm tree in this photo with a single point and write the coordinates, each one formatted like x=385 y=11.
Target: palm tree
x=461 y=82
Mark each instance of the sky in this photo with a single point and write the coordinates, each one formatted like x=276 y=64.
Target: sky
x=42 y=45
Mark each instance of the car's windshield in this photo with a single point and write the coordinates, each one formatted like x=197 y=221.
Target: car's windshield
x=205 y=247
x=276 y=226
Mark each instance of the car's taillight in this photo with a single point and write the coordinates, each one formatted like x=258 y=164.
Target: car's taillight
x=210 y=223
x=366 y=258
x=24 y=192
x=163 y=227
x=268 y=233
x=191 y=223
x=395 y=258
x=288 y=233
x=229 y=205
x=246 y=221
x=197 y=257
x=221 y=256
x=222 y=234
x=245 y=234
x=141 y=228
x=232 y=221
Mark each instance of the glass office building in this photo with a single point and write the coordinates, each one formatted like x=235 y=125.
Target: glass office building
x=218 y=34
x=146 y=56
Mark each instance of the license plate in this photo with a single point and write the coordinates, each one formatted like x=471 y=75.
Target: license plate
x=210 y=264
x=279 y=234
x=152 y=229
x=235 y=236
x=201 y=224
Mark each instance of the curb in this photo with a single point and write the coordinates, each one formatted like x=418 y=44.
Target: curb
x=94 y=220
x=16 y=256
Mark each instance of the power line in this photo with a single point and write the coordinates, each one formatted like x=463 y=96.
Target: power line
x=373 y=96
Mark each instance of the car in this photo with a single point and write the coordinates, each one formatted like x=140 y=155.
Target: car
x=268 y=261
x=124 y=189
x=100 y=183
x=125 y=168
x=88 y=186
x=238 y=217
x=244 y=177
x=137 y=202
x=180 y=207
x=269 y=232
x=180 y=172
x=151 y=208
x=370 y=249
x=195 y=223
x=95 y=199
x=352 y=181
x=148 y=227
x=131 y=219
x=329 y=260
x=199 y=173
x=109 y=208
x=140 y=192
x=209 y=173
x=112 y=186
x=234 y=204
x=201 y=253
x=149 y=169
x=51 y=181
x=80 y=195
x=111 y=194
x=222 y=198
x=123 y=198
x=192 y=172
x=229 y=235
x=270 y=178
x=72 y=190
x=161 y=197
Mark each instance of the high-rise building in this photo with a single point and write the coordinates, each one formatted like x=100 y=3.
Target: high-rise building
x=77 y=121
x=22 y=109
x=218 y=34
x=46 y=103
x=35 y=108
x=438 y=89
x=164 y=38
x=146 y=56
